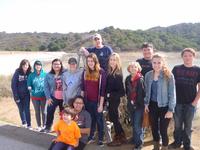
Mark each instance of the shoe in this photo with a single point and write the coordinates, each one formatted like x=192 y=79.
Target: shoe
x=45 y=130
x=174 y=145
x=29 y=127
x=100 y=143
x=38 y=129
x=164 y=148
x=138 y=147
x=190 y=148
x=91 y=141
x=24 y=126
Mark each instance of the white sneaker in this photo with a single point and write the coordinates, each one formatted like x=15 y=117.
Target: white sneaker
x=30 y=128
x=38 y=129
x=24 y=125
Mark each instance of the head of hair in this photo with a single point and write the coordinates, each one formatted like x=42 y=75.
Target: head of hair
x=166 y=70
x=118 y=69
x=92 y=74
x=71 y=101
x=146 y=45
x=52 y=70
x=70 y=111
x=136 y=64
x=191 y=50
x=22 y=63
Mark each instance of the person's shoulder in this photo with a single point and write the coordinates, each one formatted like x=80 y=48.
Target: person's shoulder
x=128 y=78
x=178 y=66
x=139 y=60
x=149 y=73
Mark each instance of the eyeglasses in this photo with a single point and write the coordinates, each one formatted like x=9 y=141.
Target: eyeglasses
x=56 y=64
x=77 y=103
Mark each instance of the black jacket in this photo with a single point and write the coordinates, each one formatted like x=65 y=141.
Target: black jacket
x=139 y=103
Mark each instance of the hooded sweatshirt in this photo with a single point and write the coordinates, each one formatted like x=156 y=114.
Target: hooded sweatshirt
x=36 y=82
x=71 y=84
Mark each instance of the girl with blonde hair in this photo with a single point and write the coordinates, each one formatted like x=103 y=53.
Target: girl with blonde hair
x=115 y=90
x=160 y=100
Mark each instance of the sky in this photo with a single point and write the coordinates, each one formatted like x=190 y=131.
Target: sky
x=66 y=16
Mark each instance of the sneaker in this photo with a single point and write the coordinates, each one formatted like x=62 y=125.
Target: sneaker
x=100 y=143
x=38 y=129
x=174 y=145
x=45 y=130
x=24 y=126
x=190 y=148
x=90 y=141
x=29 y=127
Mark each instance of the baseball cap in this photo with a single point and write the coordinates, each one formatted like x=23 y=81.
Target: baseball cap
x=146 y=45
x=72 y=60
x=96 y=35
x=37 y=62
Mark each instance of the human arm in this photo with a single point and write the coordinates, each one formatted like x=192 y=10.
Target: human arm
x=14 y=86
x=195 y=101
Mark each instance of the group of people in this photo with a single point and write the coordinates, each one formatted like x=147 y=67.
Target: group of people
x=83 y=93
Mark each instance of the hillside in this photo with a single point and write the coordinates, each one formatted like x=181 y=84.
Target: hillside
x=172 y=38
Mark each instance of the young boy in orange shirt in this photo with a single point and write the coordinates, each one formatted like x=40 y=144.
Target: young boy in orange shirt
x=68 y=132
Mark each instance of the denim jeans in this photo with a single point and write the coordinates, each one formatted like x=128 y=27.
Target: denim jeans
x=183 y=116
x=24 y=109
x=97 y=118
x=62 y=146
x=159 y=124
x=51 y=110
x=136 y=121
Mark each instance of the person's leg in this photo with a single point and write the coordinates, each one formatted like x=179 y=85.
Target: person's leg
x=178 y=126
x=154 y=117
x=137 y=127
x=81 y=146
x=164 y=123
x=27 y=110
x=189 y=112
x=92 y=108
x=100 y=125
x=59 y=146
x=20 y=106
x=42 y=107
x=50 y=113
x=114 y=116
x=36 y=105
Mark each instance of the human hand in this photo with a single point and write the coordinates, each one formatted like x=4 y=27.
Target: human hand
x=169 y=115
x=100 y=109
x=146 y=109
x=50 y=102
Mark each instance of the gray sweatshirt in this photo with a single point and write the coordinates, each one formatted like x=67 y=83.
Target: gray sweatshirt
x=71 y=84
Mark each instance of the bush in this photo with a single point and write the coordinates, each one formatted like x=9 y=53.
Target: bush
x=5 y=86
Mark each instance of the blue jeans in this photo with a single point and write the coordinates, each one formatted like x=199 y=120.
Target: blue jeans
x=183 y=116
x=97 y=118
x=62 y=146
x=24 y=109
x=51 y=110
x=136 y=120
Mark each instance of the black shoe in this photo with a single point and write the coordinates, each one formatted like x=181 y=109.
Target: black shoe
x=45 y=130
x=174 y=145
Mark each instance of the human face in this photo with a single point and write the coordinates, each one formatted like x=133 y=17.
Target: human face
x=78 y=104
x=157 y=64
x=25 y=67
x=90 y=63
x=38 y=68
x=72 y=67
x=113 y=62
x=97 y=42
x=67 y=117
x=188 y=58
x=147 y=53
x=56 y=66
x=133 y=69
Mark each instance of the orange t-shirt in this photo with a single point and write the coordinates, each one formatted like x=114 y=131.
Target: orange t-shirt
x=69 y=134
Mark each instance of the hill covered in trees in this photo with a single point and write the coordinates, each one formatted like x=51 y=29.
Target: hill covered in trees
x=172 y=38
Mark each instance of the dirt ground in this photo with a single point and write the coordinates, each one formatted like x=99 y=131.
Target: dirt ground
x=9 y=113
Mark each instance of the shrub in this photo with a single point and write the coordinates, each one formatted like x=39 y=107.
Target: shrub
x=5 y=86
